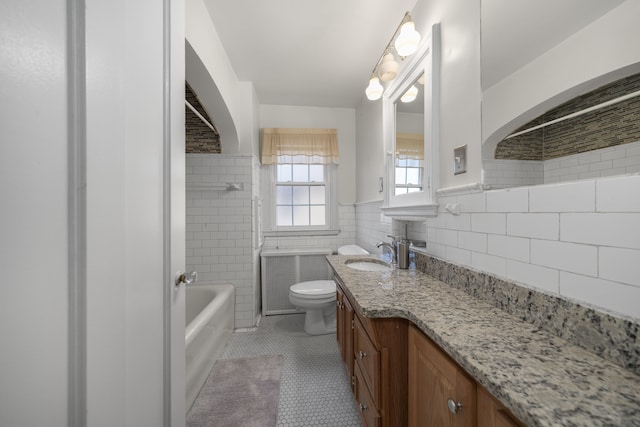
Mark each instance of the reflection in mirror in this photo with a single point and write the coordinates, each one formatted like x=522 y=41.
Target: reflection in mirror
x=557 y=73
x=593 y=135
x=409 y=141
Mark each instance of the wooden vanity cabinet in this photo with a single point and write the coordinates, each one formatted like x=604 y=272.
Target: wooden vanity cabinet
x=400 y=377
x=375 y=353
x=492 y=413
x=441 y=394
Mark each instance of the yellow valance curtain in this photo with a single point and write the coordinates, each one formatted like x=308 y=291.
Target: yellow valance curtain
x=314 y=146
x=410 y=146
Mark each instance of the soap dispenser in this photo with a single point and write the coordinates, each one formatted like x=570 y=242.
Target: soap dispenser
x=403 y=253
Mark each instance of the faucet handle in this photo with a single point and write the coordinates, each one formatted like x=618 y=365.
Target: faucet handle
x=394 y=238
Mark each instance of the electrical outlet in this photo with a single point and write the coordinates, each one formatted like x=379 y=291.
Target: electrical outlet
x=460 y=159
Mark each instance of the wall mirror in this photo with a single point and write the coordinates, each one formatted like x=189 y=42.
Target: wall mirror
x=583 y=122
x=411 y=135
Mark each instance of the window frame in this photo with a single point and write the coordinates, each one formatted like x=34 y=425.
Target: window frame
x=269 y=187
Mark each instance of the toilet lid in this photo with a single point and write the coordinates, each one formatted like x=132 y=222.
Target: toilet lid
x=314 y=288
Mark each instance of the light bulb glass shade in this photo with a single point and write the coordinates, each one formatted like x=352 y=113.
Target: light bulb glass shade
x=407 y=41
x=410 y=95
x=374 y=90
x=388 y=68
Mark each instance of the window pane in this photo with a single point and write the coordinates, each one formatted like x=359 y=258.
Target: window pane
x=301 y=173
x=301 y=215
x=284 y=173
x=317 y=195
x=317 y=215
x=283 y=215
x=401 y=162
x=401 y=190
x=413 y=176
x=414 y=162
x=283 y=195
x=401 y=176
x=316 y=173
x=301 y=195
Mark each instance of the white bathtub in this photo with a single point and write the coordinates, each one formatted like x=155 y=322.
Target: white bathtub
x=209 y=323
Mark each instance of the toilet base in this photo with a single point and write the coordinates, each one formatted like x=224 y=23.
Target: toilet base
x=320 y=322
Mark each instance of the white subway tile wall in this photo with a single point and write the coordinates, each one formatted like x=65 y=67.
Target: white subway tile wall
x=580 y=240
x=347 y=235
x=220 y=228
x=621 y=159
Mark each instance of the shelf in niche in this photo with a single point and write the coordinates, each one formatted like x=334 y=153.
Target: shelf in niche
x=411 y=213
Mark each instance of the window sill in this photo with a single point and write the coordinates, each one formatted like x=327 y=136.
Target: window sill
x=294 y=233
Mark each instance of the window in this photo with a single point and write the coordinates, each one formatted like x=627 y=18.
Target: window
x=300 y=195
x=298 y=180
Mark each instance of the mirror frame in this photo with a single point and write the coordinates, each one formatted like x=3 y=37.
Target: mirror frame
x=416 y=206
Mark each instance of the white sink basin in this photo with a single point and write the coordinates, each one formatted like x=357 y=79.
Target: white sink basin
x=368 y=265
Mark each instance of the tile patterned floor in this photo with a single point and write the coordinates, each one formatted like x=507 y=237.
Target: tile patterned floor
x=314 y=389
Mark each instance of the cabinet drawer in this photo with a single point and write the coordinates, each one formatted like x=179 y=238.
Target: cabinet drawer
x=368 y=411
x=368 y=357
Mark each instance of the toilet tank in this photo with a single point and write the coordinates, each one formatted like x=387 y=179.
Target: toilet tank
x=351 y=250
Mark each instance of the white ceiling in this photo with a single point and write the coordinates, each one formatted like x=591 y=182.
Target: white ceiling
x=321 y=53
x=306 y=52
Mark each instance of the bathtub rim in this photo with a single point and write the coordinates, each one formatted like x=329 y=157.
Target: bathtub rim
x=198 y=322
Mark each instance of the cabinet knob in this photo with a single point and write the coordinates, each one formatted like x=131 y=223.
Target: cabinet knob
x=362 y=407
x=362 y=354
x=454 y=407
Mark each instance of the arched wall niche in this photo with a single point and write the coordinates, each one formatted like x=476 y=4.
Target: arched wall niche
x=489 y=145
x=202 y=83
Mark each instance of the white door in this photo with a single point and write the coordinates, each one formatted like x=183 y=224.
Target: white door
x=91 y=213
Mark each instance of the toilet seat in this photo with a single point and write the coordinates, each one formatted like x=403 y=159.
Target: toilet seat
x=315 y=289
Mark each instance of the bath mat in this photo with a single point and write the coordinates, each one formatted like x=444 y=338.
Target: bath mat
x=239 y=392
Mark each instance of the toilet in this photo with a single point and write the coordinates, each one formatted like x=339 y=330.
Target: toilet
x=318 y=299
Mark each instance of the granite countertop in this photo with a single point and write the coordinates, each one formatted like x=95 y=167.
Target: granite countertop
x=541 y=378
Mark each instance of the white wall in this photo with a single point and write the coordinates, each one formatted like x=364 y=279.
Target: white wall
x=370 y=155
x=580 y=240
x=598 y=54
x=342 y=119
x=460 y=90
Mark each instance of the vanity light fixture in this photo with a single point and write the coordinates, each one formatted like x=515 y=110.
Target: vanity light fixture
x=410 y=95
x=386 y=68
x=408 y=40
x=375 y=89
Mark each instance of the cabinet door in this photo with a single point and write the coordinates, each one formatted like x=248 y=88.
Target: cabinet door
x=434 y=380
x=369 y=414
x=492 y=413
x=367 y=357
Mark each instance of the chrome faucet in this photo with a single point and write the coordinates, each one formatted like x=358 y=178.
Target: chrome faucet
x=392 y=248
